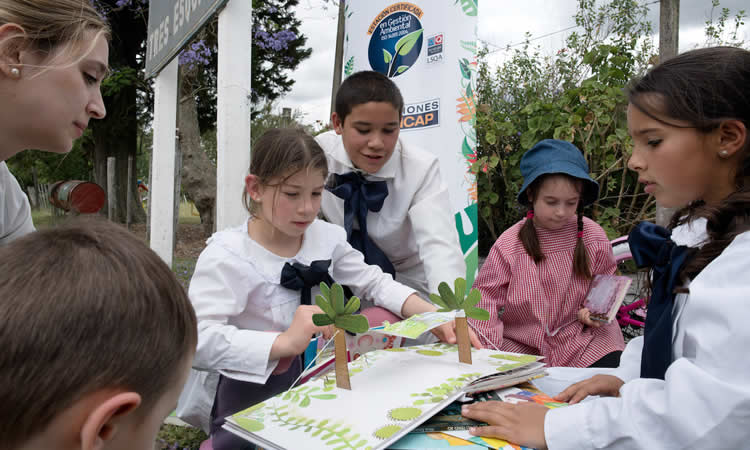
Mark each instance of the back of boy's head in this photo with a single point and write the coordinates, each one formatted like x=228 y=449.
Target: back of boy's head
x=704 y=88
x=367 y=86
x=86 y=307
x=278 y=154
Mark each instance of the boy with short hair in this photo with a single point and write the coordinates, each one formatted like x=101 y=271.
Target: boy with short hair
x=406 y=227
x=97 y=337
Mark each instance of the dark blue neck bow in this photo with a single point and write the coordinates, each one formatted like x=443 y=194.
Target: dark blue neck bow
x=300 y=277
x=652 y=246
x=360 y=196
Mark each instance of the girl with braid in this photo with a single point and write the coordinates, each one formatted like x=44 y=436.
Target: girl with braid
x=537 y=274
x=686 y=383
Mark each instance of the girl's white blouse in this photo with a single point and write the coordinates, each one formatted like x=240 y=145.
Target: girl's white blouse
x=15 y=213
x=704 y=400
x=241 y=307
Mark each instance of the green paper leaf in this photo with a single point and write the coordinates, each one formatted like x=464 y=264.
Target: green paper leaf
x=321 y=320
x=447 y=295
x=406 y=43
x=356 y=323
x=438 y=301
x=352 y=305
x=460 y=291
x=474 y=297
x=337 y=298
x=325 y=291
x=477 y=313
x=387 y=56
x=325 y=306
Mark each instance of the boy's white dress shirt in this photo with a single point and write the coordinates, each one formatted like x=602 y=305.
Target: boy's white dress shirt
x=242 y=308
x=15 y=213
x=416 y=227
x=704 y=400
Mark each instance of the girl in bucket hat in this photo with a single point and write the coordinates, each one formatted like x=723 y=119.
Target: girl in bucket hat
x=538 y=272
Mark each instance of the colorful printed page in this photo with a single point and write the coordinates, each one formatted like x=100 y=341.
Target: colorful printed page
x=418 y=324
x=422 y=441
x=523 y=393
x=393 y=391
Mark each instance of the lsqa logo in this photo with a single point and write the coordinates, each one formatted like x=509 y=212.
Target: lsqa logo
x=396 y=39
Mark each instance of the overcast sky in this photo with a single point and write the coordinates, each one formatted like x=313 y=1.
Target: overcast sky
x=501 y=22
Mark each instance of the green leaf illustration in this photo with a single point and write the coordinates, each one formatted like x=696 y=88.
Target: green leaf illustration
x=305 y=402
x=401 y=69
x=406 y=43
x=324 y=397
x=337 y=300
x=470 y=7
x=447 y=295
x=387 y=56
x=477 y=313
x=465 y=68
x=349 y=67
x=355 y=324
x=474 y=297
x=325 y=306
x=321 y=320
x=460 y=290
x=438 y=301
x=352 y=305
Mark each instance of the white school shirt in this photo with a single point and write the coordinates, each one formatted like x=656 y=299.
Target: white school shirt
x=415 y=228
x=242 y=308
x=15 y=213
x=704 y=400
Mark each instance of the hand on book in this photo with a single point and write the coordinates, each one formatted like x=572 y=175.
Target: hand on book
x=295 y=340
x=584 y=316
x=447 y=333
x=607 y=385
x=521 y=423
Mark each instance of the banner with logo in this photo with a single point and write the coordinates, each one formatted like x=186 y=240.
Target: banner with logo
x=428 y=48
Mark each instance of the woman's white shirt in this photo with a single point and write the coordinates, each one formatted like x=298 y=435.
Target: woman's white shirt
x=15 y=213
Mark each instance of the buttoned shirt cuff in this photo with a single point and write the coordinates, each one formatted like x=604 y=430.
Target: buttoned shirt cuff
x=253 y=365
x=393 y=297
x=568 y=428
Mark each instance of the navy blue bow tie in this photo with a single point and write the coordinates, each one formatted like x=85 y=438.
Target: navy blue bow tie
x=652 y=246
x=300 y=277
x=361 y=196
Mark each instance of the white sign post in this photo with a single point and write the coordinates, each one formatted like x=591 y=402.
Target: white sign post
x=171 y=24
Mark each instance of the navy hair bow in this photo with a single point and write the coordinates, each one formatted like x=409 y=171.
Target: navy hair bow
x=360 y=196
x=652 y=246
x=300 y=277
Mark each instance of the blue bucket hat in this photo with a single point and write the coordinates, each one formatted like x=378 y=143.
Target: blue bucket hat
x=556 y=156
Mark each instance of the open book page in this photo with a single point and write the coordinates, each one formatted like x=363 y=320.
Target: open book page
x=393 y=391
x=418 y=324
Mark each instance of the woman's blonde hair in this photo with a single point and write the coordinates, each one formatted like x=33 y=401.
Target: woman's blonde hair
x=55 y=27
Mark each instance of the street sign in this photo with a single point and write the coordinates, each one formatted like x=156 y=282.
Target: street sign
x=171 y=24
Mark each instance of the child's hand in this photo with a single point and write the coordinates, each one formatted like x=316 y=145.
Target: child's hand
x=447 y=333
x=295 y=340
x=608 y=385
x=522 y=423
x=584 y=316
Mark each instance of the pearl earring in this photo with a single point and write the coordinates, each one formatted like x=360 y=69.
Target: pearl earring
x=15 y=72
x=723 y=154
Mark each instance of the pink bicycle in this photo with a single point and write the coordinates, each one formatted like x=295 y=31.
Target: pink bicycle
x=632 y=314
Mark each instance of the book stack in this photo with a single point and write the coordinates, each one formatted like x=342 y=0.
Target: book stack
x=393 y=392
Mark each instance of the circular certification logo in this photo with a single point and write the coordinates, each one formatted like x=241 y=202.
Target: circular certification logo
x=395 y=44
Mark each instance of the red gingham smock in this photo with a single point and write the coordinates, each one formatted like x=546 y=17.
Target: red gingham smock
x=536 y=297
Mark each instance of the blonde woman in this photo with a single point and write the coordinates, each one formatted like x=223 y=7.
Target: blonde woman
x=53 y=57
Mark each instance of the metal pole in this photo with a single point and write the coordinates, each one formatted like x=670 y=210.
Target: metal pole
x=338 y=60
x=111 y=192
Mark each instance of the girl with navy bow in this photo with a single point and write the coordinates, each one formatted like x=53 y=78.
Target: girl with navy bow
x=686 y=383
x=254 y=285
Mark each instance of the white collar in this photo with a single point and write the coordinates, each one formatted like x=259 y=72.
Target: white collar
x=691 y=234
x=338 y=153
